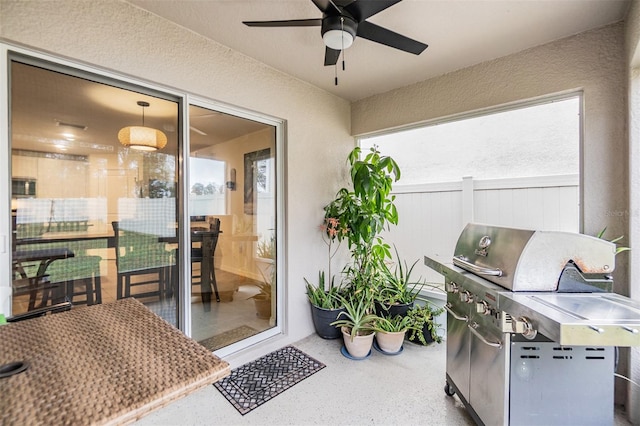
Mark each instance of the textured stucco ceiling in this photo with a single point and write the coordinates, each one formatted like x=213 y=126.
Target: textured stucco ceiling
x=460 y=33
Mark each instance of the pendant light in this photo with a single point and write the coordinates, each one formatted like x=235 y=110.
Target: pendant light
x=140 y=137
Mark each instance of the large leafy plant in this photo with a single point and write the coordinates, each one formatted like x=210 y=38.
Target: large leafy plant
x=363 y=212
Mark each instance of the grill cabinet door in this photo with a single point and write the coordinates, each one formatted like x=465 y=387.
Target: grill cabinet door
x=488 y=374
x=458 y=345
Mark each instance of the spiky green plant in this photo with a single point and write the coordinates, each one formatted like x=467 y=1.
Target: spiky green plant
x=397 y=285
x=619 y=249
x=358 y=316
x=326 y=299
x=394 y=324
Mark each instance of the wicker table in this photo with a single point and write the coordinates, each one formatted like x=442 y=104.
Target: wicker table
x=101 y=364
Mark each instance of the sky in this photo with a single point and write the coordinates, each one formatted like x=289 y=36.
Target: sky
x=205 y=171
x=535 y=141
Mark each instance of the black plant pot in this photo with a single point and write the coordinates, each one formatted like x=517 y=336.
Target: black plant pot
x=390 y=311
x=425 y=332
x=322 y=318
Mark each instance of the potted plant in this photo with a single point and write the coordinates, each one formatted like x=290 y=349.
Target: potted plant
x=262 y=299
x=357 y=324
x=325 y=304
x=362 y=213
x=390 y=332
x=325 y=301
x=397 y=291
x=358 y=216
x=424 y=328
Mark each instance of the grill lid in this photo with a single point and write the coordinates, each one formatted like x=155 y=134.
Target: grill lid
x=527 y=260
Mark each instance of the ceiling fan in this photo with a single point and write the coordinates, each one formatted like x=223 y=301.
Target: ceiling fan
x=343 y=20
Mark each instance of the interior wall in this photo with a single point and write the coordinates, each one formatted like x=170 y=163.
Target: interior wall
x=120 y=37
x=594 y=62
x=237 y=257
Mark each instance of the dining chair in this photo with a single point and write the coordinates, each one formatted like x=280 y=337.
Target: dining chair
x=141 y=256
x=79 y=276
x=204 y=255
x=41 y=291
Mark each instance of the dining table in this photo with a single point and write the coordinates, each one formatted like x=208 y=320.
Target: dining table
x=102 y=364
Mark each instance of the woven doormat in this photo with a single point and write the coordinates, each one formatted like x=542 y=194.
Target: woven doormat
x=228 y=337
x=255 y=383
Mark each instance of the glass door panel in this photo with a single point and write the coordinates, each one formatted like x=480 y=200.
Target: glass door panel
x=232 y=217
x=94 y=220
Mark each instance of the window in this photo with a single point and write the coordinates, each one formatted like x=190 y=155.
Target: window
x=517 y=167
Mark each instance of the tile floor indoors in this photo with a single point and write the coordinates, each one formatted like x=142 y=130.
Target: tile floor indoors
x=382 y=390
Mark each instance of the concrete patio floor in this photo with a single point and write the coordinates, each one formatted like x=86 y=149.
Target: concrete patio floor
x=381 y=390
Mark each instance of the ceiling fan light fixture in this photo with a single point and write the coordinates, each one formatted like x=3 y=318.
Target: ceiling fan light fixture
x=338 y=32
x=140 y=137
x=337 y=39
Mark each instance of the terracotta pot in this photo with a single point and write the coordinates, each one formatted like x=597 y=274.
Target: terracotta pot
x=390 y=342
x=360 y=346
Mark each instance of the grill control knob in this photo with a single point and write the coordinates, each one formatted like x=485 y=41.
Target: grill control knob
x=466 y=297
x=451 y=287
x=524 y=326
x=483 y=308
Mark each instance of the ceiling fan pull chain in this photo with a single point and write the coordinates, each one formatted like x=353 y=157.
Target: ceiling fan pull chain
x=335 y=68
x=342 y=39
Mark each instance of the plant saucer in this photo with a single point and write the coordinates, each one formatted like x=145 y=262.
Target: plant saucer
x=377 y=348
x=346 y=353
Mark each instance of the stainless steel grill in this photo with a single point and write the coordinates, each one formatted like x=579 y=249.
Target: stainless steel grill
x=532 y=326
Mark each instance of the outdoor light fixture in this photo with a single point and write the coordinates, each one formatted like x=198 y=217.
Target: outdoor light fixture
x=140 y=137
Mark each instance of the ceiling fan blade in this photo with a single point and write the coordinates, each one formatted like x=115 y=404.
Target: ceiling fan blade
x=326 y=6
x=287 y=23
x=363 y=9
x=198 y=131
x=331 y=56
x=330 y=7
x=389 y=38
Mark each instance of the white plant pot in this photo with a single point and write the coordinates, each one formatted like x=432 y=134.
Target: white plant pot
x=360 y=346
x=390 y=342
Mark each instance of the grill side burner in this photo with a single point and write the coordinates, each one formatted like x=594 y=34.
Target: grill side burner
x=532 y=325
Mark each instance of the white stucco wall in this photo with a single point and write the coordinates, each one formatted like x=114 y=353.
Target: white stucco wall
x=593 y=62
x=632 y=45
x=118 y=36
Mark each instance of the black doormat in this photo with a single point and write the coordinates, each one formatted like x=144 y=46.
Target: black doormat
x=255 y=383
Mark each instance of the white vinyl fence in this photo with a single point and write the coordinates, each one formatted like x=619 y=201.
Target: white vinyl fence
x=432 y=216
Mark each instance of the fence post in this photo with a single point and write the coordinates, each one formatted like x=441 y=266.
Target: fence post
x=467 y=200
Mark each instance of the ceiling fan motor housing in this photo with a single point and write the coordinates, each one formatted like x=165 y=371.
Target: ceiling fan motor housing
x=333 y=29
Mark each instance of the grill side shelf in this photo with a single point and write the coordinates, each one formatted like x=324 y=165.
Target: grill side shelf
x=578 y=319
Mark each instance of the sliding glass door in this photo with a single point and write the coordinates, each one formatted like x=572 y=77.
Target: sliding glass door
x=94 y=192
x=232 y=225
x=120 y=189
